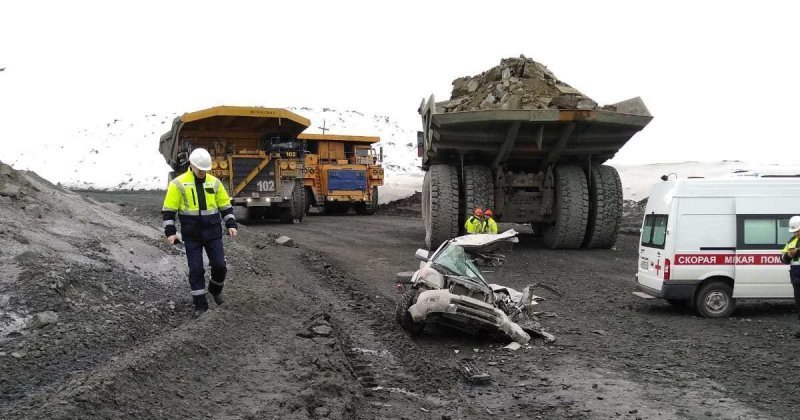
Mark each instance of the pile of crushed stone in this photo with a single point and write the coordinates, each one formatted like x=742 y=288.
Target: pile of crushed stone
x=632 y=215
x=78 y=281
x=517 y=83
x=409 y=206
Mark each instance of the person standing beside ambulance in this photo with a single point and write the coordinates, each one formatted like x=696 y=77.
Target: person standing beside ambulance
x=791 y=256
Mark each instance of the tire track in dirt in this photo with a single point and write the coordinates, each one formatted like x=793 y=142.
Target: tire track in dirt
x=415 y=377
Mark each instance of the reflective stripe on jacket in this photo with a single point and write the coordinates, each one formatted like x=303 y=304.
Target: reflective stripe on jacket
x=473 y=225
x=183 y=199
x=182 y=195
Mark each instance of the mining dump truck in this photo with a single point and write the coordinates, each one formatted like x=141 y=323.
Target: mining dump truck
x=342 y=172
x=255 y=153
x=538 y=166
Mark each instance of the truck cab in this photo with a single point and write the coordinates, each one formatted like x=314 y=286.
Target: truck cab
x=255 y=153
x=342 y=172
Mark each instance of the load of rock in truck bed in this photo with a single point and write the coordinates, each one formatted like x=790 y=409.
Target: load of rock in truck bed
x=517 y=83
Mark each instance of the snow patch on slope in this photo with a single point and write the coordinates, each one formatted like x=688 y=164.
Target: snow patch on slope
x=123 y=153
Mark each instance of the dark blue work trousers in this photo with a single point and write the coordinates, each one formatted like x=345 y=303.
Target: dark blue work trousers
x=794 y=276
x=216 y=259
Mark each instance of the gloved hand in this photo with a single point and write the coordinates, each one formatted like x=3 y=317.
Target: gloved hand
x=183 y=158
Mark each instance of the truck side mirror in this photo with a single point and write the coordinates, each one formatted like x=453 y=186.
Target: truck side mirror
x=422 y=255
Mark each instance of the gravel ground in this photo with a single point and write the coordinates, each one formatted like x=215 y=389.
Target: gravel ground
x=309 y=332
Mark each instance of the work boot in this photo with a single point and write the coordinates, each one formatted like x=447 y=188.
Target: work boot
x=200 y=305
x=219 y=299
x=198 y=311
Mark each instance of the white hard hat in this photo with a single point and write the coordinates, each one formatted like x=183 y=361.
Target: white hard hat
x=200 y=159
x=794 y=224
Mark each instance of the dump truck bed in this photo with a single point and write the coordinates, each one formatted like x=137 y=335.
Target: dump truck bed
x=530 y=136
x=229 y=123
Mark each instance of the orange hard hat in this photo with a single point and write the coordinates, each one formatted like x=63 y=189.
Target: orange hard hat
x=478 y=212
x=488 y=213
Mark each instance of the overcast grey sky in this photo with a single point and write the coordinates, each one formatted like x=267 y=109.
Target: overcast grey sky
x=721 y=78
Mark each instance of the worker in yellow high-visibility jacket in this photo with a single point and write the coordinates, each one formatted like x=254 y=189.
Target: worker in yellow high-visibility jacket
x=790 y=255
x=474 y=223
x=200 y=202
x=489 y=225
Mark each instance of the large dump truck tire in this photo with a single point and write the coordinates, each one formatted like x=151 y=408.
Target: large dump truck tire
x=571 y=209
x=298 y=205
x=478 y=190
x=302 y=204
x=368 y=208
x=309 y=194
x=240 y=213
x=605 y=207
x=440 y=205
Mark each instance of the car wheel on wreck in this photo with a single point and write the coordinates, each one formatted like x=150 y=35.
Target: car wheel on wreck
x=404 y=317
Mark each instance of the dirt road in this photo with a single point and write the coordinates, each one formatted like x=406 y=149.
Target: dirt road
x=309 y=332
x=615 y=354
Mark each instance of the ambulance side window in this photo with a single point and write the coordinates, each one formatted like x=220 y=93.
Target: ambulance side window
x=756 y=231
x=654 y=230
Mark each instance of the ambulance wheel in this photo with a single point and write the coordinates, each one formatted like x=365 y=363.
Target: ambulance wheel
x=715 y=300
x=571 y=209
x=440 y=204
x=402 y=315
x=478 y=190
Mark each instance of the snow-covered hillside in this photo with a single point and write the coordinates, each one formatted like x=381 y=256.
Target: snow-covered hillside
x=123 y=153
x=398 y=139
x=637 y=180
x=118 y=154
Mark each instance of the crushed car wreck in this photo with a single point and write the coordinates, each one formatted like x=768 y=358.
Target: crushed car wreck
x=449 y=289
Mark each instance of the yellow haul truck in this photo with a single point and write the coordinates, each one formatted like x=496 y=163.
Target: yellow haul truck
x=342 y=172
x=255 y=153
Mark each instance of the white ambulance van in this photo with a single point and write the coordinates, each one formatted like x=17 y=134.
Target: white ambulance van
x=710 y=242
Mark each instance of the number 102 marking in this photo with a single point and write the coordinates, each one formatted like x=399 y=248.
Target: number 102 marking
x=265 y=185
